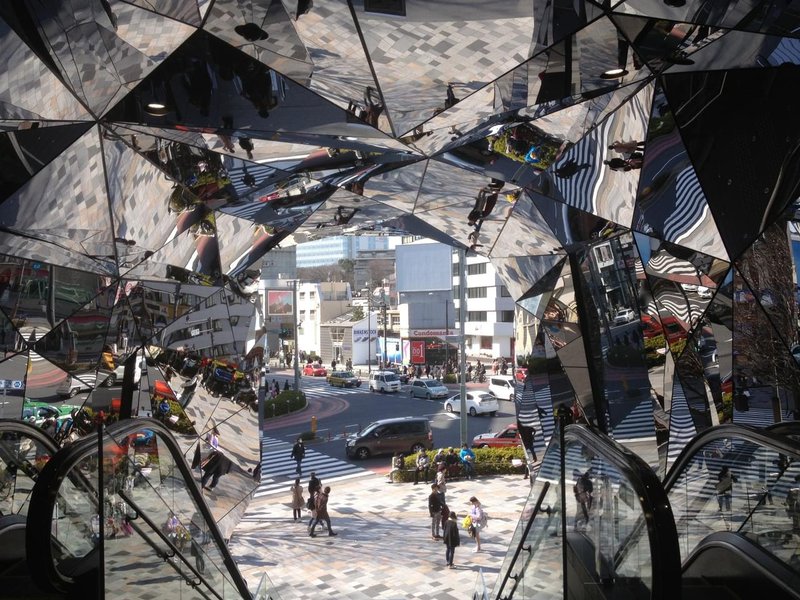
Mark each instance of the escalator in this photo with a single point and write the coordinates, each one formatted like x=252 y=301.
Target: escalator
x=747 y=537
x=630 y=536
x=120 y=509
x=24 y=450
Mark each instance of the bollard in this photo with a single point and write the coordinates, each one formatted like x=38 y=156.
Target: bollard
x=314 y=425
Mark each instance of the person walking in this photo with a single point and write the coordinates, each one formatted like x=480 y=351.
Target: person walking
x=725 y=481
x=298 y=503
x=583 y=489
x=321 y=504
x=298 y=454
x=423 y=464
x=452 y=539
x=478 y=521
x=435 y=506
x=314 y=486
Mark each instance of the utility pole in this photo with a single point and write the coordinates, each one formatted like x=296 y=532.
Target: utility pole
x=385 y=354
x=462 y=347
x=294 y=324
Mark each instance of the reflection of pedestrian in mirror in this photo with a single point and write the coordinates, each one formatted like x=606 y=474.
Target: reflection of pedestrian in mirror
x=725 y=481
x=570 y=168
x=627 y=147
x=582 y=489
x=451 y=97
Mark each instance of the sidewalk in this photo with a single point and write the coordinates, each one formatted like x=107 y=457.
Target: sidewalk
x=383 y=549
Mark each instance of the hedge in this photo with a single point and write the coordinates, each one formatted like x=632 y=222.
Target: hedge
x=488 y=461
x=284 y=403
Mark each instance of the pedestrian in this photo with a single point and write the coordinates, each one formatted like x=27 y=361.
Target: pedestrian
x=478 y=521
x=435 y=506
x=423 y=465
x=398 y=462
x=453 y=463
x=286 y=385
x=725 y=481
x=452 y=539
x=467 y=461
x=582 y=489
x=438 y=458
x=214 y=467
x=441 y=479
x=314 y=486
x=298 y=454
x=298 y=503
x=213 y=439
x=321 y=504
x=792 y=503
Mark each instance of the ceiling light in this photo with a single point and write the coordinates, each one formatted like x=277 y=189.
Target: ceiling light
x=614 y=73
x=157 y=109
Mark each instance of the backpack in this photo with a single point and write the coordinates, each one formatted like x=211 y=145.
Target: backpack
x=484 y=518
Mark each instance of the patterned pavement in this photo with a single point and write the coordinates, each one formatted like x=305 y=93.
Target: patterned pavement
x=383 y=549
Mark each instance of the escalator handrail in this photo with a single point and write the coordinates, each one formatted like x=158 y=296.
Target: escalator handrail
x=52 y=475
x=656 y=508
x=775 y=441
x=523 y=539
x=784 y=428
x=767 y=563
x=29 y=430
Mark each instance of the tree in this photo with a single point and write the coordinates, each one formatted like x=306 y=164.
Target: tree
x=358 y=313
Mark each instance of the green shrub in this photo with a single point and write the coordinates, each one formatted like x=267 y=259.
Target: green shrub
x=183 y=425
x=308 y=435
x=287 y=401
x=449 y=378
x=488 y=461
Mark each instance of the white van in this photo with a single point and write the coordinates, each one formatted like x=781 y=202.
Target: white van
x=502 y=386
x=384 y=381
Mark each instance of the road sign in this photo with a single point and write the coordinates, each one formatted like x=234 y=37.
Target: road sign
x=17 y=384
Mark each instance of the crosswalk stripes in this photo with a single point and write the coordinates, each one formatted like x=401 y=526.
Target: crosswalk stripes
x=320 y=386
x=757 y=417
x=681 y=426
x=638 y=424
x=278 y=469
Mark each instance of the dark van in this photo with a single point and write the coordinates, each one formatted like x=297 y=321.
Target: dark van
x=387 y=436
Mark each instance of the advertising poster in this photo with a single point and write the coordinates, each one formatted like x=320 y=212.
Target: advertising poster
x=279 y=302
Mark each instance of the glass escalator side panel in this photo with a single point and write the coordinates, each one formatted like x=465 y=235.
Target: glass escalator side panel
x=740 y=485
x=22 y=455
x=149 y=506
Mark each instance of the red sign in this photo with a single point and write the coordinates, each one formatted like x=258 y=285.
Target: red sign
x=417 y=353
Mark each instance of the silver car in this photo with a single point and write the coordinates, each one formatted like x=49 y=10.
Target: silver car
x=428 y=388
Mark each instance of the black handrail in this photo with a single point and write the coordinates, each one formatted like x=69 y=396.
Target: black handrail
x=764 y=437
x=522 y=540
x=175 y=551
x=657 y=512
x=785 y=428
x=45 y=492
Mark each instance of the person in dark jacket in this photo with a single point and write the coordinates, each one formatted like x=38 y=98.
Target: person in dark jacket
x=215 y=467
x=298 y=454
x=314 y=486
x=452 y=539
x=435 y=506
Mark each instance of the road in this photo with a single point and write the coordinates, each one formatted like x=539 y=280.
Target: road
x=342 y=411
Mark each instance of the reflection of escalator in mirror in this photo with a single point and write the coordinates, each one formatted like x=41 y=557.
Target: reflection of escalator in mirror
x=24 y=450
x=739 y=480
x=136 y=514
x=727 y=565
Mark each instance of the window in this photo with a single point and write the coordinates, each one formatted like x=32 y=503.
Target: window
x=301 y=295
x=504 y=293
x=312 y=315
x=486 y=342
x=506 y=316
x=311 y=295
x=476 y=292
x=476 y=269
x=478 y=316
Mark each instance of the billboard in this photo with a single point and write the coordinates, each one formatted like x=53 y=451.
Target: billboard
x=280 y=302
x=424 y=267
x=417 y=353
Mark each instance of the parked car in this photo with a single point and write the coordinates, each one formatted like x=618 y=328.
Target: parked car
x=343 y=379
x=404 y=434
x=428 y=388
x=704 y=292
x=315 y=370
x=651 y=327
x=506 y=437
x=478 y=403
x=624 y=316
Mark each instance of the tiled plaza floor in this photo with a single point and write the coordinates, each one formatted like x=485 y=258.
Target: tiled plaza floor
x=383 y=549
